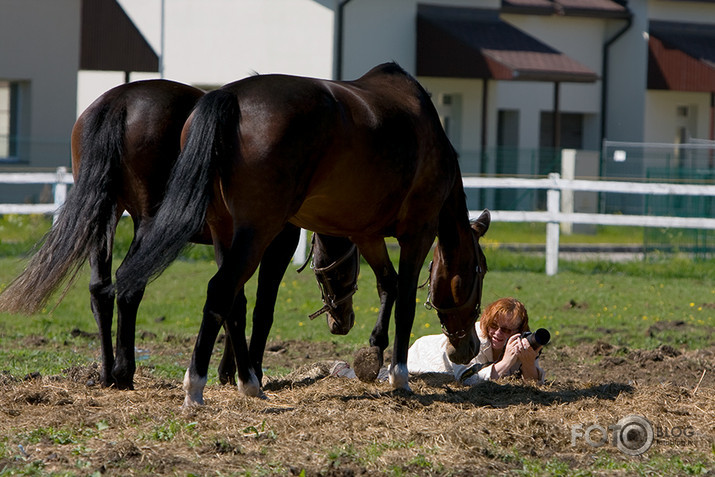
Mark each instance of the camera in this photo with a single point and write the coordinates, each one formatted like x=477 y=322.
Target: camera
x=538 y=338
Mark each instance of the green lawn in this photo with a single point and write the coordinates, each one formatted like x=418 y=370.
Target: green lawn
x=579 y=305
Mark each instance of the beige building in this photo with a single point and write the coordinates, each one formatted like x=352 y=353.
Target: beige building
x=44 y=45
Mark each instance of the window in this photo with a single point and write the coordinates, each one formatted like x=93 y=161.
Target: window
x=8 y=120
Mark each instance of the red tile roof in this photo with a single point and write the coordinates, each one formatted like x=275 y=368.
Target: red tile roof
x=681 y=56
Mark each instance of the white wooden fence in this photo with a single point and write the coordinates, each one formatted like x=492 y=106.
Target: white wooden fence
x=553 y=216
x=60 y=179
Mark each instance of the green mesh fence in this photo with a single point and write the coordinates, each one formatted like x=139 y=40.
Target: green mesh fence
x=696 y=242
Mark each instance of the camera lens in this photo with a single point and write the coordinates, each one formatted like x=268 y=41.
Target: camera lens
x=538 y=338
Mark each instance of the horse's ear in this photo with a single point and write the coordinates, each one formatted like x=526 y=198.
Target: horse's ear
x=481 y=225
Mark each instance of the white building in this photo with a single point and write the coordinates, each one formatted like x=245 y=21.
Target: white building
x=512 y=79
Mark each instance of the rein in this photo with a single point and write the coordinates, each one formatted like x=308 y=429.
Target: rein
x=330 y=299
x=458 y=308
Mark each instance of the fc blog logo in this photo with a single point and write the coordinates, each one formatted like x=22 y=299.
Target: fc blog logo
x=632 y=435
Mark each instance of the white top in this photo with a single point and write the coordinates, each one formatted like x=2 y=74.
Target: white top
x=429 y=355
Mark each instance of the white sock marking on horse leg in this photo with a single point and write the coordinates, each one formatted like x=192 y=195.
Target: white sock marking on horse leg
x=251 y=388
x=399 y=377
x=194 y=389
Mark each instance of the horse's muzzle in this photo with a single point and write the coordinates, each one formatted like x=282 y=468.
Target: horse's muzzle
x=343 y=325
x=463 y=350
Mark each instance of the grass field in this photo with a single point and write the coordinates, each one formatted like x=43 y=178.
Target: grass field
x=576 y=306
x=584 y=302
x=631 y=309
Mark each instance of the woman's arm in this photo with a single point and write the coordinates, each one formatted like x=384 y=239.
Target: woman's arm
x=528 y=356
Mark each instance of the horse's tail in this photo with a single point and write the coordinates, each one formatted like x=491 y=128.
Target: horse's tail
x=85 y=220
x=212 y=133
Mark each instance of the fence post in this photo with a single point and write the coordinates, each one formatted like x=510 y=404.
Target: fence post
x=60 y=191
x=300 y=255
x=568 y=171
x=553 y=201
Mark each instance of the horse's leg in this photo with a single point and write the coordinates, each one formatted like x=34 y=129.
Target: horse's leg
x=218 y=297
x=127 y=307
x=368 y=361
x=225 y=304
x=274 y=263
x=102 y=302
x=412 y=256
x=195 y=377
x=235 y=325
x=227 y=366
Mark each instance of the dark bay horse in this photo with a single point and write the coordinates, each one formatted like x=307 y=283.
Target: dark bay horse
x=123 y=148
x=363 y=159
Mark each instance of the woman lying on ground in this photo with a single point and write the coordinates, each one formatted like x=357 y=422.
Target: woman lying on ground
x=502 y=350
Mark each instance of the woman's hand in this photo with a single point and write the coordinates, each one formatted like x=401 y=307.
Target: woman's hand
x=511 y=356
x=526 y=353
x=513 y=349
x=527 y=356
x=517 y=349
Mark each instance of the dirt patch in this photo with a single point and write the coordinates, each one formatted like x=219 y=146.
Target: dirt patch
x=312 y=424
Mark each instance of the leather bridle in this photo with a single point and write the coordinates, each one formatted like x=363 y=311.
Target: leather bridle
x=330 y=299
x=478 y=279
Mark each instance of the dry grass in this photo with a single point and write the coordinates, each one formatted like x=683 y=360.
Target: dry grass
x=321 y=425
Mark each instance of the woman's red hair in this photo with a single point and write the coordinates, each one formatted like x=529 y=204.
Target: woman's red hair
x=505 y=312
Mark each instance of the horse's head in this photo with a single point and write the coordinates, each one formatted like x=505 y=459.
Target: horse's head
x=336 y=263
x=456 y=278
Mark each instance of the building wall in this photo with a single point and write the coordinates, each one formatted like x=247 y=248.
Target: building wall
x=212 y=42
x=663 y=108
x=377 y=31
x=467 y=117
x=628 y=69
x=533 y=98
x=681 y=11
x=664 y=117
x=41 y=52
x=634 y=113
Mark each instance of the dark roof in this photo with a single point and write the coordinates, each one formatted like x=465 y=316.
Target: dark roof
x=586 y=8
x=111 y=42
x=474 y=43
x=528 y=7
x=681 y=56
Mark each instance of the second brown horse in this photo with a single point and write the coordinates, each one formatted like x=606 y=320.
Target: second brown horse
x=123 y=148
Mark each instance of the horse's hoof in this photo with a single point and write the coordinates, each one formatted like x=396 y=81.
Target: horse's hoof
x=192 y=402
x=193 y=389
x=250 y=388
x=399 y=378
x=122 y=378
x=227 y=379
x=121 y=384
x=367 y=363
